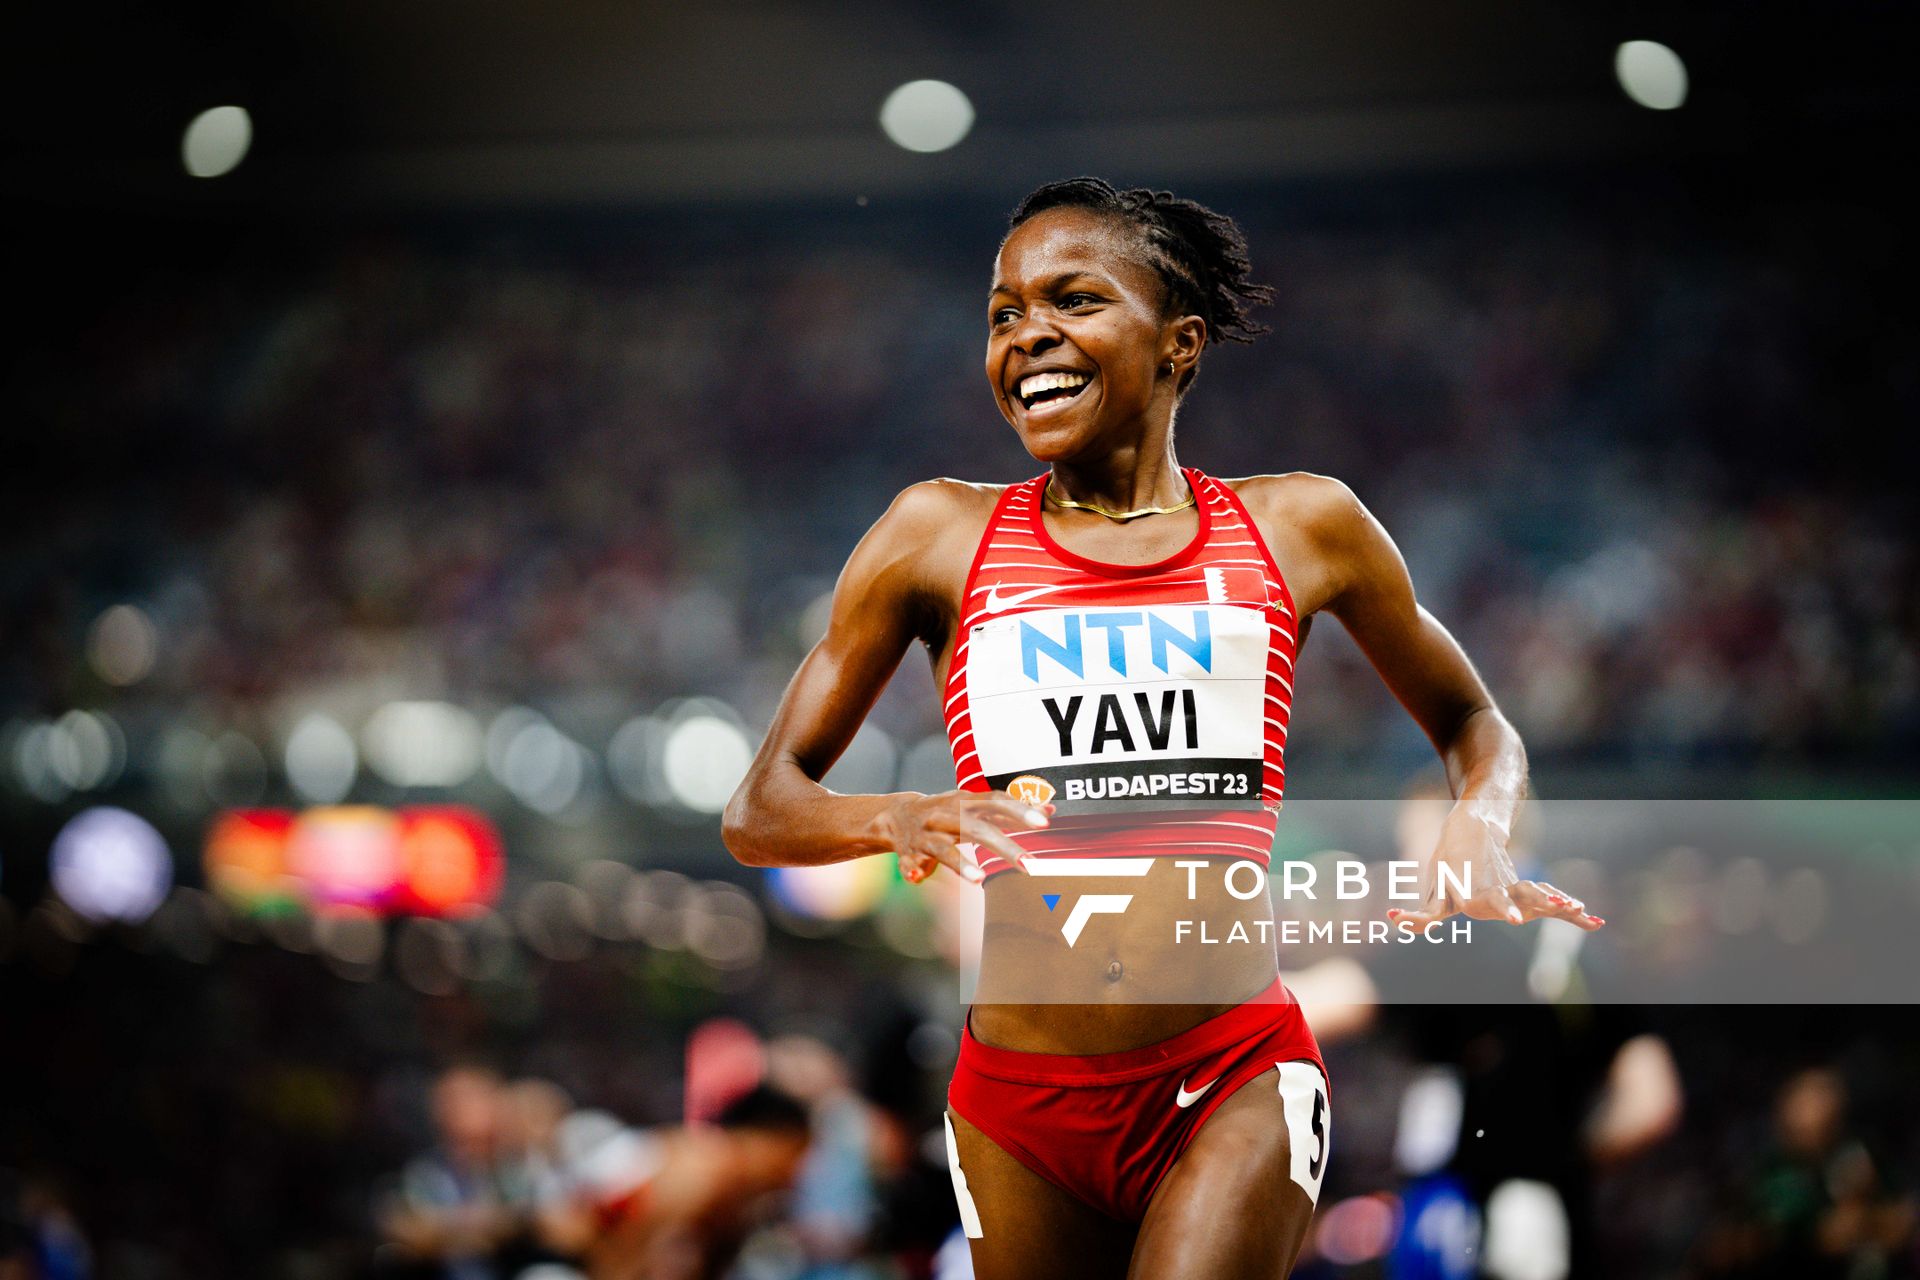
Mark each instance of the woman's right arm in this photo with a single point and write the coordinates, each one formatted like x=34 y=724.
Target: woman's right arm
x=890 y=594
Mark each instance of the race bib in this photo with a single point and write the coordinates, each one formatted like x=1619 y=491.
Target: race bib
x=1102 y=709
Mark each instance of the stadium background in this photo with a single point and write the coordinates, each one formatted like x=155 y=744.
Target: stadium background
x=490 y=436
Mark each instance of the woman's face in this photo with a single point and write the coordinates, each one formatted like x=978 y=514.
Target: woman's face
x=1078 y=341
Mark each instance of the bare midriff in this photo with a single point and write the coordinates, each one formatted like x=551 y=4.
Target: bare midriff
x=1131 y=978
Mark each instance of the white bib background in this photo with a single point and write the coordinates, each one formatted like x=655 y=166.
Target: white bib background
x=1106 y=657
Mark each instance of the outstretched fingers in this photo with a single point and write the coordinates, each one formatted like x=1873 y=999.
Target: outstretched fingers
x=1516 y=903
x=1541 y=901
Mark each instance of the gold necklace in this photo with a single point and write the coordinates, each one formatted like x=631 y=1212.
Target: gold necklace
x=1116 y=515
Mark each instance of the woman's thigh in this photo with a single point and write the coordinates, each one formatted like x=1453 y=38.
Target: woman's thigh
x=1237 y=1203
x=1029 y=1228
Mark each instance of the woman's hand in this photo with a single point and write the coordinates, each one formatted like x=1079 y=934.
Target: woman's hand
x=927 y=831
x=1475 y=847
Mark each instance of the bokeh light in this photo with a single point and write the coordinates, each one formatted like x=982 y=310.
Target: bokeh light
x=926 y=115
x=122 y=645
x=351 y=942
x=347 y=855
x=541 y=766
x=422 y=744
x=246 y=860
x=111 y=865
x=1651 y=74
x=838 y=891
x=451 y=860
x=1528 y=1236
x=320 y=760
x=556 y=921
x=216 y=141
x=705 y=759
x=725 y=927
x=1358 y=1229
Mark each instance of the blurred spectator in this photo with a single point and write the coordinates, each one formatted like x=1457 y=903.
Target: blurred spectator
x=715 y=1184
x=599 y=1177
x=1818 y=1205
x=39 y=1239
x=454 y=1212
x=835 y=1198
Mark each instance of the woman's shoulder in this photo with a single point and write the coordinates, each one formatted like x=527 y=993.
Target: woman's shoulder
x=1303 y=500
x=935 y=508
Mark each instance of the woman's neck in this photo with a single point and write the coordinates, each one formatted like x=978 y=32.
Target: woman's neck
x=1124 y=480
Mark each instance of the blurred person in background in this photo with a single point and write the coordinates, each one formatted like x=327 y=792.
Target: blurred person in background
x=1818 y=1205
x=598 y=1177
x=1594 y=1077
x=713 y=1186
x=1067 y=1155
x=546 y=1177
x=836 y=1201
x=532 y=1113
x=39 y=1238
x=452 y=1215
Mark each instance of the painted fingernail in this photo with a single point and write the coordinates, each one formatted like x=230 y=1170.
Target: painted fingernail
x=1514 y=916
x=973 y=873
x=1036 y=817
x=1393 y=913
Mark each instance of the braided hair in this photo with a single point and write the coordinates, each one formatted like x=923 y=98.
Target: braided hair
x=1199 y=254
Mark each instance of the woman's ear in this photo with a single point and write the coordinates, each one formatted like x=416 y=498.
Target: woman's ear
x=1186 y=337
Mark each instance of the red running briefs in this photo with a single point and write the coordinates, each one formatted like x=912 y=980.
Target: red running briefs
x=1107 y=1127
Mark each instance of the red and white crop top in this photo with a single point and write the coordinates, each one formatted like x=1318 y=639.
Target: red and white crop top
x=1148 y=703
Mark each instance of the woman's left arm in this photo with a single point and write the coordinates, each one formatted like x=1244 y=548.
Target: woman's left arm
x=1366 y=586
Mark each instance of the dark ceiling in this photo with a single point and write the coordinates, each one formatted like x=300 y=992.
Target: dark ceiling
x=436 y=103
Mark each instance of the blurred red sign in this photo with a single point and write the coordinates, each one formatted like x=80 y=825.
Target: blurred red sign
x=422 y=860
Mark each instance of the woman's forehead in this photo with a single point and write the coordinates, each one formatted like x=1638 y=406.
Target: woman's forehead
x=1061 y=240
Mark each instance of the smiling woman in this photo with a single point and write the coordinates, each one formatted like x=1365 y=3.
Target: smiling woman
x=1115 y=641
x=1127 y=262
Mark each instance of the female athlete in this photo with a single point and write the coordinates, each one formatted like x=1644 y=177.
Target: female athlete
x=1114 y=644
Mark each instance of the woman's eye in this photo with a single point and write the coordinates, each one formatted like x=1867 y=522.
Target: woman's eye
x=1003 y=316
x=1078 y=300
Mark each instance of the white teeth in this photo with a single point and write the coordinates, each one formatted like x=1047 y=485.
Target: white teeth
x=1030 y=387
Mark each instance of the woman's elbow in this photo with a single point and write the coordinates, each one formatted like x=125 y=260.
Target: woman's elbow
x=739 y=828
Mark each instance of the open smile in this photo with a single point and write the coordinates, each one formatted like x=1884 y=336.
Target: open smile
x=1041 y=393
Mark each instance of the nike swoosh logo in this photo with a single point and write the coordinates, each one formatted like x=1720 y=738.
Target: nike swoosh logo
x=997 y=602
x=1185 y=1099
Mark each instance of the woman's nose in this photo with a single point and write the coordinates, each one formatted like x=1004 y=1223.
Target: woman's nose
x=1035 y=333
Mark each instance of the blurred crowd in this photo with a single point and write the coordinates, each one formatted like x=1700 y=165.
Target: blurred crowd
x=595 y=467
x=521 y=1184
x=285 y=1124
